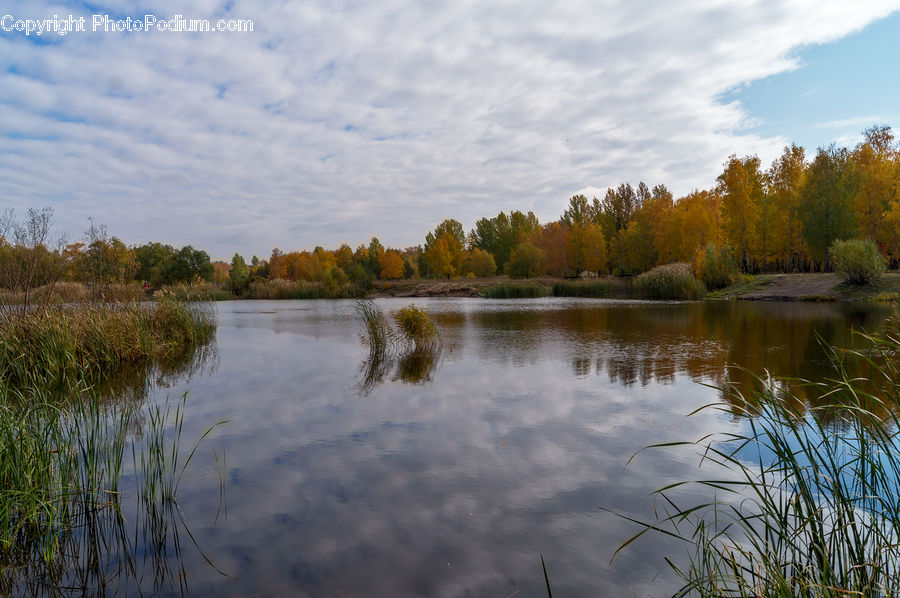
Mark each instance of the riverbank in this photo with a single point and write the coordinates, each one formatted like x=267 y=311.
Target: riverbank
x=762 y=287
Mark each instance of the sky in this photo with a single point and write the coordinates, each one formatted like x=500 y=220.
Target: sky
x=334 y=121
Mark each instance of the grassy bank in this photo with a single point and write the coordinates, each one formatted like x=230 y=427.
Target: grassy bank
x=63 y=347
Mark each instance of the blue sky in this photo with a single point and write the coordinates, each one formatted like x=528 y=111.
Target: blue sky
x=838 y=90
x=332 y=122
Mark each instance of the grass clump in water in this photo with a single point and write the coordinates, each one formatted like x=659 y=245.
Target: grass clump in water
x=517 y=291
x=64 y=346
x=807 y=498
x=416 y=328
x=671 y=281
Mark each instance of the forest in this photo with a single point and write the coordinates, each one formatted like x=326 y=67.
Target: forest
x=784 y=218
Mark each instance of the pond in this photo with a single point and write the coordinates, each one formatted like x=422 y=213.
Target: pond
x=451 y=475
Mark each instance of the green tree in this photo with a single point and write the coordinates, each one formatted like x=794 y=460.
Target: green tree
x=526 y=261
x=152 y=259
x=480 y=263
x=826 y=202
x=239 y=276
x=188 y=265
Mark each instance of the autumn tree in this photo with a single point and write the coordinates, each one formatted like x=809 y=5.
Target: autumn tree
x=553 y=239
x=391 y=263
x=875 y=163
x=741 y=187
x=785 y=180
x=444 y=249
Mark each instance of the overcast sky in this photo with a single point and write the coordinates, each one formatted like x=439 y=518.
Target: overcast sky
x=334 y=121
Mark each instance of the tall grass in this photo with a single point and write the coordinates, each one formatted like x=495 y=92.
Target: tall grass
x=517 y=291
x=291 y=289
x=807 y=500
x=415 y=328
x=64 y=485
x=64 y=346
x=586 y=288
x=411 y=350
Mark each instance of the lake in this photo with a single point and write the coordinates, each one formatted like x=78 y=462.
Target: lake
x=451 y=475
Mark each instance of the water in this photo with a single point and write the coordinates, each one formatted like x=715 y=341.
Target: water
x=449 y=476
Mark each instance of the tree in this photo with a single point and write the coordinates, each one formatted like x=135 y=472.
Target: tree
x=152 y=259
x=500 y=234
x=741 y=187
x=391 y=264
x=239 y=276
x=480 y=263
x=552 y=239
x=188 y=265
x=785 y=181
x=875 y=162
x=525 y=261
x=26 y=261
x=826 y=202
x=444 y=256
x=375 y=251
x=445 y=259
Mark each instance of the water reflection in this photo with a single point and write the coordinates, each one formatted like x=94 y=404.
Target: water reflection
x=109 y=522
x=461 y=466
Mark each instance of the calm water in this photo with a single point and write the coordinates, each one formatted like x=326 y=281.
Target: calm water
x=449 y=476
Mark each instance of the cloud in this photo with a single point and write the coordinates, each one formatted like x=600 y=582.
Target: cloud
x=334 y=122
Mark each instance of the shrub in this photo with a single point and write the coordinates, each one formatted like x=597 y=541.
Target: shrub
x=715 y=267
x=671 y=281
x=858 y=261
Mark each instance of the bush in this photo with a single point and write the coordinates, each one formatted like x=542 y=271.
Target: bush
x=672 y=281
x=715 y=267
x=858 y=261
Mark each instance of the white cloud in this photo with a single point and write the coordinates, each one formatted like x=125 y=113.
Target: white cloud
x=326 y=124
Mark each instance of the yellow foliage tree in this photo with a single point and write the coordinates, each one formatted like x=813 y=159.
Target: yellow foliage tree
x=391 y=263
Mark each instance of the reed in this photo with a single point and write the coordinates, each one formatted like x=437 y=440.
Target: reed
x=64 y=346
x=416 y=329
x=586 y=288
x=807 y=497
x=517 y=291
x=63 y=474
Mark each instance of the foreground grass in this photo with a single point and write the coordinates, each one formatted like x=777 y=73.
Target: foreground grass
x=61 y=347
x=806 y=498
x=65 y=482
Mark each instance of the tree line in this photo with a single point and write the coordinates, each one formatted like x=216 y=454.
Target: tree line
x=783 y=218
x=780 y=219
